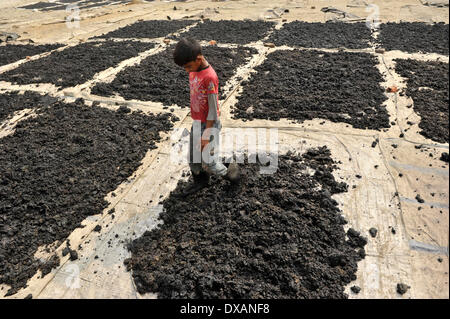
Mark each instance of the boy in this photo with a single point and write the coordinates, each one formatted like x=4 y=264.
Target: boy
x=204 y=101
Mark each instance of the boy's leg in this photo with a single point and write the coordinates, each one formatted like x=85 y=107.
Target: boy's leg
x=209 y=162
x=194 y=156
x=200 y=176
x=212 y=160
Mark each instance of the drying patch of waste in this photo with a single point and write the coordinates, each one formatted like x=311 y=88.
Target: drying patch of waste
x=14 y=101
x=149 y=29
x=14 y=52
x=75 y=65
x=414 y=37
x=57 y=169
x=428 y=86
x=38 y=5
x=230 y=31
x=274 y=236
x=304 y=85
x=323 y=35
x=157 y=78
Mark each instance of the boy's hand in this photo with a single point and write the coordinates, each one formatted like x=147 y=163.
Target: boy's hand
x=206 y=134
x=203 y=144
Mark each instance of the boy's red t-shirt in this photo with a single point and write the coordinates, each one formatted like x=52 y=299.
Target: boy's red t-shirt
x=201 y=84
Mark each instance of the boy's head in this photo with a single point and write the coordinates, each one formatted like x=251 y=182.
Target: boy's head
x=188 y=54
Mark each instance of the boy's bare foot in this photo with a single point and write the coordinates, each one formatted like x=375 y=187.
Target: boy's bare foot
x=233 y=174
x=200 y=181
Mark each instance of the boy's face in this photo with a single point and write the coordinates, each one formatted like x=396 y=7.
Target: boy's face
x=193 y=66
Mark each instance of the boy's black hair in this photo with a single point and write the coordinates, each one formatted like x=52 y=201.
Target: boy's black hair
x=186 y=51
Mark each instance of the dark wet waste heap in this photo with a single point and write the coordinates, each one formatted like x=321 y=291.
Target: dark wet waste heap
x=14 y=52
x=322 y=35
x=428 y=86
x=39 y=5
x=75 y=65
x=57 y=8
x=157 y=78
x=57 y=169
x=71 y=4
x=14 y=101
x=230 y=31
x=304 y=85
x=75 y=1
x=275 y=236
x=414 y=37
x=95 y=5
x=149 y=29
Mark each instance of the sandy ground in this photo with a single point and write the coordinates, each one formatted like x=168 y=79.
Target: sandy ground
x=410 y=256
x=51 y=26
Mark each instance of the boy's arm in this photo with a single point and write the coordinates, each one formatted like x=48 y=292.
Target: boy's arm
x=210 y=119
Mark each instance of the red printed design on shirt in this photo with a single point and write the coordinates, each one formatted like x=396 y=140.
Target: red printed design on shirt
x=201 y=84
